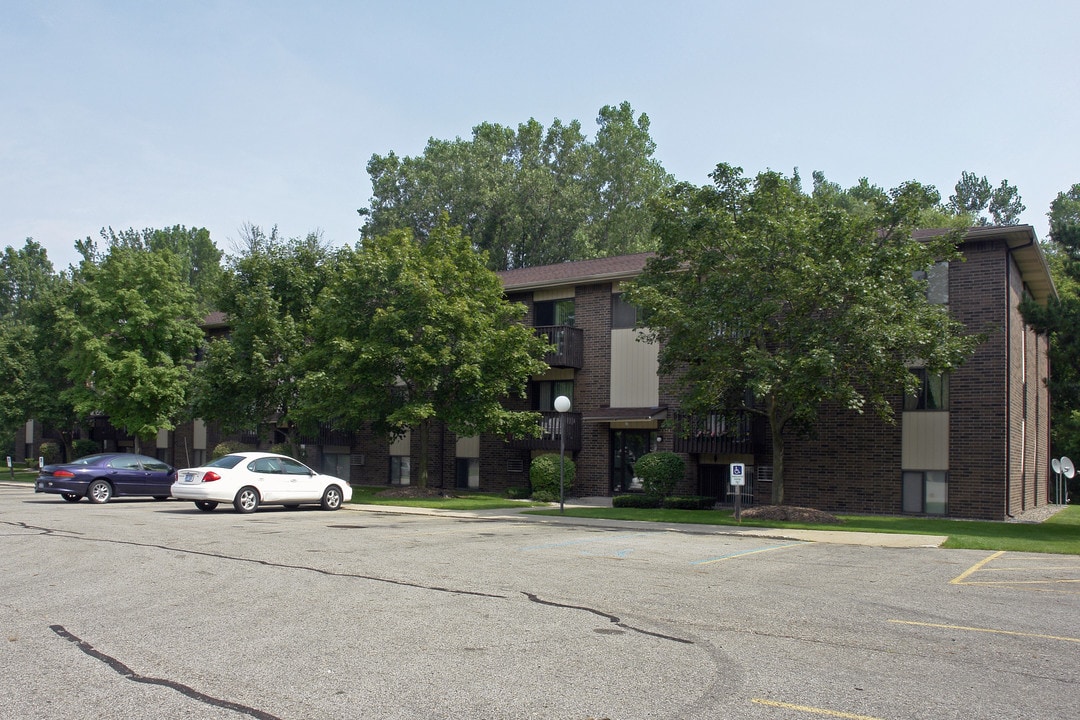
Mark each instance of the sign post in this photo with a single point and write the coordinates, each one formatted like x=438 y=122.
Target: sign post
x=11 y=468
x=738 y=479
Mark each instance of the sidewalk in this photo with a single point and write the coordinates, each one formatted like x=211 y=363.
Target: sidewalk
x=837 y=537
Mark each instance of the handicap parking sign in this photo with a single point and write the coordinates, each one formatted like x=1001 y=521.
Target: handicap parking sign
x=738 y=474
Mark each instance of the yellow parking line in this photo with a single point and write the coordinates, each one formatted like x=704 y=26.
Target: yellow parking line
x=987 y=630
x=814 y=710
x=975 y=568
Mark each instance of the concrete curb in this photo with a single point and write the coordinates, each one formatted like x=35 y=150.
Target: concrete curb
x=836 y=537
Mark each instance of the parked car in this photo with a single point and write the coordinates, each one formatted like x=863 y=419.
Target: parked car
x=250 y=479
x=101 y=477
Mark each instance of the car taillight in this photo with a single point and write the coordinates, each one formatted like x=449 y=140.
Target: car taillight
x=63 y=473
x=211 y=477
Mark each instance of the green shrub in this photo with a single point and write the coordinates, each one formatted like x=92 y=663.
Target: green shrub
x=229 y=446
x=546 y=496
x=50 y=451
x=635 y=501
x=517 y=493
x=689 y=502
x=544 y=476
x=82 y=448
x=660 y=472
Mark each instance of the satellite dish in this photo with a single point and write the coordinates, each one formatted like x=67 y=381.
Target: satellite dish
x=1055 y=465
x=1067 y=467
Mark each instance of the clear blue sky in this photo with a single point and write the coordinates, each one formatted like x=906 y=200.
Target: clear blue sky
x=217 y=113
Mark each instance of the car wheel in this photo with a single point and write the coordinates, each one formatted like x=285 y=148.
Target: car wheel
x=331 y=498
x=247 y=500
x=71 y=497
x=205 y=505
x=99 y=492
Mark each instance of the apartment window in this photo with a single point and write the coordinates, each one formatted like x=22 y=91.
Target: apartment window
x=554 y=312
x=932 y=394
x=336 y=464
x=925 y=492
x=937 y=283
x=467 y=473
x=399 y=469
x=623 y=314
x=548 y=390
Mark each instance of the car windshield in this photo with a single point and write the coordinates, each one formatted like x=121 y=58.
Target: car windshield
x=226 y=461
x=88 y=460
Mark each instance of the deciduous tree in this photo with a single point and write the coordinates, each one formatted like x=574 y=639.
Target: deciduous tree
x=409 y=333
x=528 y=196
x=768 y=300
x=131 y=325
x=249 y=377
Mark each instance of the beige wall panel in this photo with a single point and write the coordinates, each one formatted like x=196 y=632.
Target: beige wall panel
x=402 y=444
x=559 y=293
x=468 y=447
x=926 y=441
x=634 y=382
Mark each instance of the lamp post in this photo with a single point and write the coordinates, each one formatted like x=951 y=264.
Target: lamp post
x=562 y=404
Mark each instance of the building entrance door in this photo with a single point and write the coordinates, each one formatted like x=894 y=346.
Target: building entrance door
x=626 y=447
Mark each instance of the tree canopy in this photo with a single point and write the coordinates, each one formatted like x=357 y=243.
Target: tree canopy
x=131 y=324
x=28 y=287
x=249 y=377
x=974 y=196
x=407 y=333
x=772 y=301
x=528 y=196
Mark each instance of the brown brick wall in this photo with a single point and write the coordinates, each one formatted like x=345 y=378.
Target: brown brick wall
x=592 y=389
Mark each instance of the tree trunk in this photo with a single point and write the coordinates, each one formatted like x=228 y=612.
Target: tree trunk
x=778 y=466
x=422 y=470
x=776 y=427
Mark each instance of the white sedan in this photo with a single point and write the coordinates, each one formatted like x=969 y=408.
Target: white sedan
x=250 y=479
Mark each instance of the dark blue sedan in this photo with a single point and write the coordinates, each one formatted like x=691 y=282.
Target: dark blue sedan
x=101 y=477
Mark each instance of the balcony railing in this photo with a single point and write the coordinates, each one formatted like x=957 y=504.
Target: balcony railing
x=715 y=434
x=549 y=433
x=569 y=348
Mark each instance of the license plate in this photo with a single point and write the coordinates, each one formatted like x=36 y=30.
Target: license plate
x=189 y=477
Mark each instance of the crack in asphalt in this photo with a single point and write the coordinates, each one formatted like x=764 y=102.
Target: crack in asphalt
x=126 y=672
x=609 y=617
x=265 y=563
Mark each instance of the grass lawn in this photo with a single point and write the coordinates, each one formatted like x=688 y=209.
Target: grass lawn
x=1059 y=534
x=20 y=475
x=364 y=495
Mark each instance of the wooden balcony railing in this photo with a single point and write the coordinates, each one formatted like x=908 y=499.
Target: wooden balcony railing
x=549 y=435
x=569 y=345
x=715 y=434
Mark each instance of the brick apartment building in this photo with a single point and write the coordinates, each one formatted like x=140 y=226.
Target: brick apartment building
x=972 y=445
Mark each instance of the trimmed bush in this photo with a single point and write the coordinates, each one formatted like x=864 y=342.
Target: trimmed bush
x=229 y=446
x=50 y=451
x=544 y=477
x=635 y=501
x=660 y=472
x=82 y=448
x=689 y=502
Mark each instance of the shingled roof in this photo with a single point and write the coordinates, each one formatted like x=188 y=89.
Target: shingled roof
x=609 y=269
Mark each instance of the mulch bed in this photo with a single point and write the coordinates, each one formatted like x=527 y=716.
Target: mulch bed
x=791 y=513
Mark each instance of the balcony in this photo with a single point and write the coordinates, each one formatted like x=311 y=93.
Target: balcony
x=715 y=434
x=549 y=434
x=569 y=345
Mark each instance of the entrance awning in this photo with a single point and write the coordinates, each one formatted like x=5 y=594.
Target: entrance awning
x=639 y=414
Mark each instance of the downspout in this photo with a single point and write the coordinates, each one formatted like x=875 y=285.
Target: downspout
x=1008 y=384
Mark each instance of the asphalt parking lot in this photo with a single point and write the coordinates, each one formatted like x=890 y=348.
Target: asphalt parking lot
x=153 y=609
